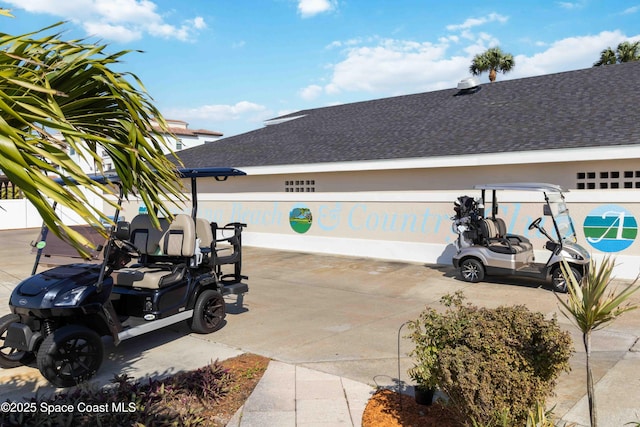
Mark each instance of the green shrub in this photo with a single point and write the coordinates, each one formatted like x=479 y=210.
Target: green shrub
x=494 y=364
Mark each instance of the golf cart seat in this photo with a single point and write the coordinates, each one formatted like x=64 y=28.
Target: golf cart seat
x=513 y=238
x=492 y=239
x=164 y=257
x=145 y=236
x=206 y=240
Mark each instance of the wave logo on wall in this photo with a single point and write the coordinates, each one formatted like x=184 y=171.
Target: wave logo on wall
x=610 y=228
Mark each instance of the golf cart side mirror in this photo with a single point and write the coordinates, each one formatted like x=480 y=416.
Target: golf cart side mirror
x=122 y=230
x=546 y=210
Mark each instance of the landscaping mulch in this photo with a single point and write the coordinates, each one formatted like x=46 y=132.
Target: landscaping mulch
x=390 y=409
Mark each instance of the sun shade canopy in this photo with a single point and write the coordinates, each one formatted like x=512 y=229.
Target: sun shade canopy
x=523 y=186
x=182 y=173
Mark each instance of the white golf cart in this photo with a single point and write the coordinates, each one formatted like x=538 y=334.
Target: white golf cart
x=485 y=248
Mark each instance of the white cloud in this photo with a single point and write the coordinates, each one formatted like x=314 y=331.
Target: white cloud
x=46 y=6
x=116 y=32
x=219 y=112
x=571 y=5
x=479 y=42
x=310 y=92
x=126 y=11
x=631 y=10
x=343 y=43
x=567 y=54
x=308 y=8
x=118 y=20
x=394 y=67
x=222 y=117
x=198 y=23
x=474 y=22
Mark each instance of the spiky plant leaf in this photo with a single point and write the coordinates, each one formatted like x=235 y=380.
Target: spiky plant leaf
x=592 y=305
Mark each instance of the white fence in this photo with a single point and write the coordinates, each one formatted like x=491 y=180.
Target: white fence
x=20 y=213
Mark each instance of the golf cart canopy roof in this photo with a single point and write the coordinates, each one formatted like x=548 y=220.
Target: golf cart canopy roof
x=523 y=186
x=209 y=172
x=218 y=173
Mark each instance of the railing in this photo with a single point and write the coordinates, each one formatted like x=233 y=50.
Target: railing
x=8 y=190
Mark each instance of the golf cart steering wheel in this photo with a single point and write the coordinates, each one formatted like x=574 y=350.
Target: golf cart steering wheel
x=123 y=251
x=127 y=246
x=535 y=223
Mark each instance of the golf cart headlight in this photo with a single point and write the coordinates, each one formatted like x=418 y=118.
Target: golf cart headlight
x=577 y=256
x=70 y=298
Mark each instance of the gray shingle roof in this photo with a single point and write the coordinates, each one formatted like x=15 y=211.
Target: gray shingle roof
x=598 y=106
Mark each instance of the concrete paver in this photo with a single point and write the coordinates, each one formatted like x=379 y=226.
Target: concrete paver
x=332 y=323
x=617 y=392
x=290 y=395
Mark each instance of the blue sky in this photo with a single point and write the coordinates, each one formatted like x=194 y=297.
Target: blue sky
x=228 y=65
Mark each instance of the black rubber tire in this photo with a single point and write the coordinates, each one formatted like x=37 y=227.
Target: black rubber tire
x=71 y=355
x=9 y=356
x=472 y=270
x=208 y=313
x=558 y=282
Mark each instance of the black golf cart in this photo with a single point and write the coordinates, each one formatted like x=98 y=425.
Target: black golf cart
x=181 y=271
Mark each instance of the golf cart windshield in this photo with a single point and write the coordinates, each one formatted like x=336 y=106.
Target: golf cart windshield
x=561 y=216
x=554 y=197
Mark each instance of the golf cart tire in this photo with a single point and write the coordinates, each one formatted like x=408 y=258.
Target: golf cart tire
x=70 y=355
x=208 y=313
x=559 y=283
x=472 y=270
x=9 y=357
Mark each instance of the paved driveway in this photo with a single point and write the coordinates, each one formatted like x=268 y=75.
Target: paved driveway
x=343 y=316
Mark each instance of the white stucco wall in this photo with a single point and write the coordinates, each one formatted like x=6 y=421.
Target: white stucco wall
x=401 y=209
x=411 y=226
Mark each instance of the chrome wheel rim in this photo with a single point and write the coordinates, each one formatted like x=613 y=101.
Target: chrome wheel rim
x=470 y=272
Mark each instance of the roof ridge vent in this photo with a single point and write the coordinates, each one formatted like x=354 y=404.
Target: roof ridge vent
x=277 y=121
x=468 y=86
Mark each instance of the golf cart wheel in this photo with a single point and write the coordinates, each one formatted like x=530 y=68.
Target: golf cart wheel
x=9 y=356
x=558 y=280
x=208 y=313
x=472 y=270
x=70 y=355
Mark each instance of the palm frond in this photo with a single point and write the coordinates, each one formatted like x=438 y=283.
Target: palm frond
x=51 y=85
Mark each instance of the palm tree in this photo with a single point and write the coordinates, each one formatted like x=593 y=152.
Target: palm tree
x=49 y=86
x=607 y=57
x=492 y=60
x=625 y=52
x=592 y=306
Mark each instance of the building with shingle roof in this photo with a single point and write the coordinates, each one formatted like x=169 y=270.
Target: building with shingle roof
x=587 y=108
x=380 y=177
